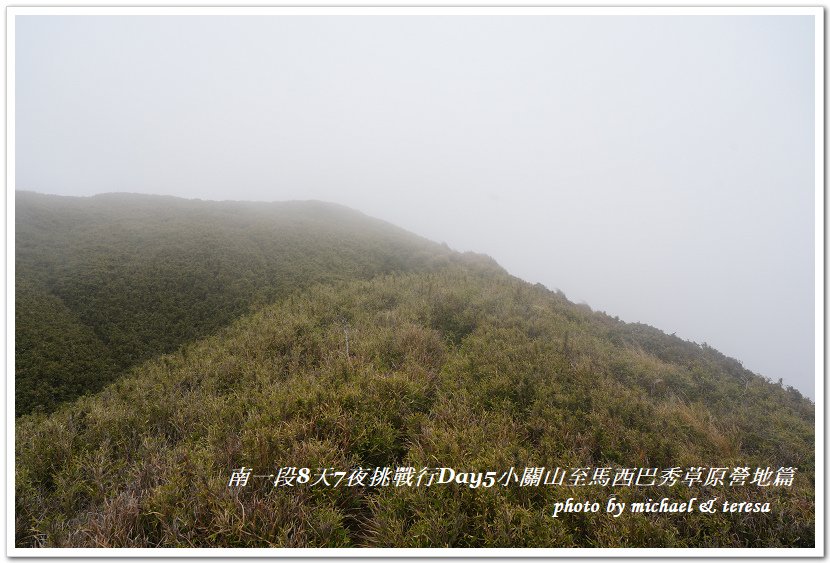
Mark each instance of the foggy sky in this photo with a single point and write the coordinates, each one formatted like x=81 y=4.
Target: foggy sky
x=658 y=168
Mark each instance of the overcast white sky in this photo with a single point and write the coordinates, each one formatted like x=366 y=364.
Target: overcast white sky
x=658 y=168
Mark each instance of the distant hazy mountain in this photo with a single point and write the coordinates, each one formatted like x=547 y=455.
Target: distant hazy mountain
x=106 y=282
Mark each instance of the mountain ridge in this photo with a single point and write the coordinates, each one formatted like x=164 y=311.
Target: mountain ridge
x=391 y=353
x=463 y=367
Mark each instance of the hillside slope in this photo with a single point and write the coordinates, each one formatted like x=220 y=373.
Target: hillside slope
x=463 y=367
x=134 y=276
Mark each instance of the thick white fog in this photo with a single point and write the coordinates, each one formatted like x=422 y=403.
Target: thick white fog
x=661 y=169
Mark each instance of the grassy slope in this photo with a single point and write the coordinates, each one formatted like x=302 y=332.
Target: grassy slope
x=130 y=276
x=465 y=367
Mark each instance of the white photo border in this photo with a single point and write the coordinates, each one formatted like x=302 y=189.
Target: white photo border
x=816 y=12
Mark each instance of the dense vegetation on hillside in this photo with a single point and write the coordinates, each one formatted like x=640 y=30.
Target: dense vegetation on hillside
x=458 y=366
x=106 y=282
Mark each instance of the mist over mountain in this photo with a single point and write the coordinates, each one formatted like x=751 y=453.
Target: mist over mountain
x=661 y=167
x=161 y=344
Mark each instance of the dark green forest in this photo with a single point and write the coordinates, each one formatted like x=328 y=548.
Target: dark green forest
x=161 y=344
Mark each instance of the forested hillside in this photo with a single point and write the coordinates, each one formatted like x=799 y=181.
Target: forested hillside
x=106 y=282
x=459 y=366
